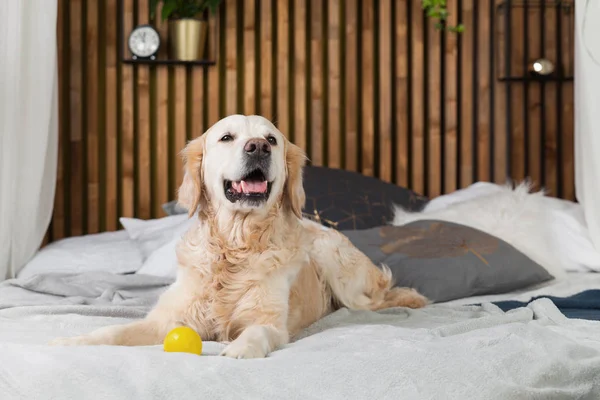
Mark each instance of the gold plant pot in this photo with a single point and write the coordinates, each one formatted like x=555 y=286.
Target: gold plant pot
x=187 y=38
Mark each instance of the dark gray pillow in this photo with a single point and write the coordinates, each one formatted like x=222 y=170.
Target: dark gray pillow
x=446 y=261
x=332 y=199
x=348 y=200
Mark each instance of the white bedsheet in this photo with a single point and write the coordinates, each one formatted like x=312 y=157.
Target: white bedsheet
x=444 y=351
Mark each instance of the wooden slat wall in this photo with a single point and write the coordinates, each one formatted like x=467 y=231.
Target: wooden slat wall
x=363 y=85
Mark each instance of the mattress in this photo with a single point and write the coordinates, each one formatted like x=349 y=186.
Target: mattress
x=450 y=351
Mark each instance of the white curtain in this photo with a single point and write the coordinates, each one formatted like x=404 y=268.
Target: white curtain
x=587 y=113
x=28 y=127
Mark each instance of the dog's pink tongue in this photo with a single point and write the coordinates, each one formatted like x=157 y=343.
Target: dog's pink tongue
x=254 y=187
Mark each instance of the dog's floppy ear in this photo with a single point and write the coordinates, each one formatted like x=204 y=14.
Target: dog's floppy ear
x=293 y=192
x=191 y=193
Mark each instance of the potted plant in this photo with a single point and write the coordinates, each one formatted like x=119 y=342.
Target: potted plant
x=437 y=10
x=187 y=25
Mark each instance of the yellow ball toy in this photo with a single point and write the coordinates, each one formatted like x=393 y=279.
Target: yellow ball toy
x=183 y=340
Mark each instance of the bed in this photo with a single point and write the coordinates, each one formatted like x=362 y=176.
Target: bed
x=477 y=347
x=451 y=350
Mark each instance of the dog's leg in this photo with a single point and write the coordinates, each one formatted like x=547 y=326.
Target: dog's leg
x=354 y=280
x=256 y=341
x=261 y=321
x=173 y=309
x=140 y=333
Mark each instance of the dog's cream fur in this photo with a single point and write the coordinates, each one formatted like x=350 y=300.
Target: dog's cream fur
x=254 y=276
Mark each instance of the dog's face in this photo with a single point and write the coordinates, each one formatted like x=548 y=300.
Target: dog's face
x=245 y=164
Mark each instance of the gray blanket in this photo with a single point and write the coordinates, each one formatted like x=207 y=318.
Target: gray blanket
x=440 y=352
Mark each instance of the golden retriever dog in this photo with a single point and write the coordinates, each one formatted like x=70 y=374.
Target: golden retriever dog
x=251 y=271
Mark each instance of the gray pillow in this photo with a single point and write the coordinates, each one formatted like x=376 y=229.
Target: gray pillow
x=172 y=208
x=447 y=261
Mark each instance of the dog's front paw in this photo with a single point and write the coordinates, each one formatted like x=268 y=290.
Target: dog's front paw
x=71 y=341
x=244 y=348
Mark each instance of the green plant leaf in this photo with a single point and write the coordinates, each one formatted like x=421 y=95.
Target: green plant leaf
x=183 y=8
x=437 y=11
x=458 y=29
x=169 y=6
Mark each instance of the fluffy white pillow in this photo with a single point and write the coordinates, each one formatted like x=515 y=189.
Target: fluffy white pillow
x=111 y=252
x=151 y=234
x=550 y=231
x=477 y=189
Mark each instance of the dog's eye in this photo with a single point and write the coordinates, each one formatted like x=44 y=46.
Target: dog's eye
x=227 y=138
x=272 y=140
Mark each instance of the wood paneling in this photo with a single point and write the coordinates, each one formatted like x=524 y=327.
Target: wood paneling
x=434 y=107
x=334 y=32
x=143 y=194
x=501 y=110
x=451 y=101
x=316 y=130
x=466 y=104
x=484 y=92
x=231 y=52
x=90 y=69
x=109 y=170
x=401 y=95
x=298 y=84
x=367 y=88
x=249 y=60
x=126 y=150
x=364 y=85
x=352 y=94
x=160 y=130
x=265 y=51
x=283 y=60
x=550 y=146
x=417 y=104
x=532 y=115
x=386 y=73
x=517 y=97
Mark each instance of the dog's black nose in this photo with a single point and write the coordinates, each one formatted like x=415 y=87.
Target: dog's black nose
x=258 y=148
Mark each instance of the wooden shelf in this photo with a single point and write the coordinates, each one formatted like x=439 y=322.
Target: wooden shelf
x=163 y=59
x=168 y=62
x=536 y=78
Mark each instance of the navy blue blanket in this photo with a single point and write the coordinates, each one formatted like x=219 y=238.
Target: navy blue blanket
x=584 y=305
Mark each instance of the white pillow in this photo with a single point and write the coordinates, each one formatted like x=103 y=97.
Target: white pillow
x=572 y=237
x=163 y=262
x=151 y=234
x=111 y=252
x=477 y=189
x=548 y=230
